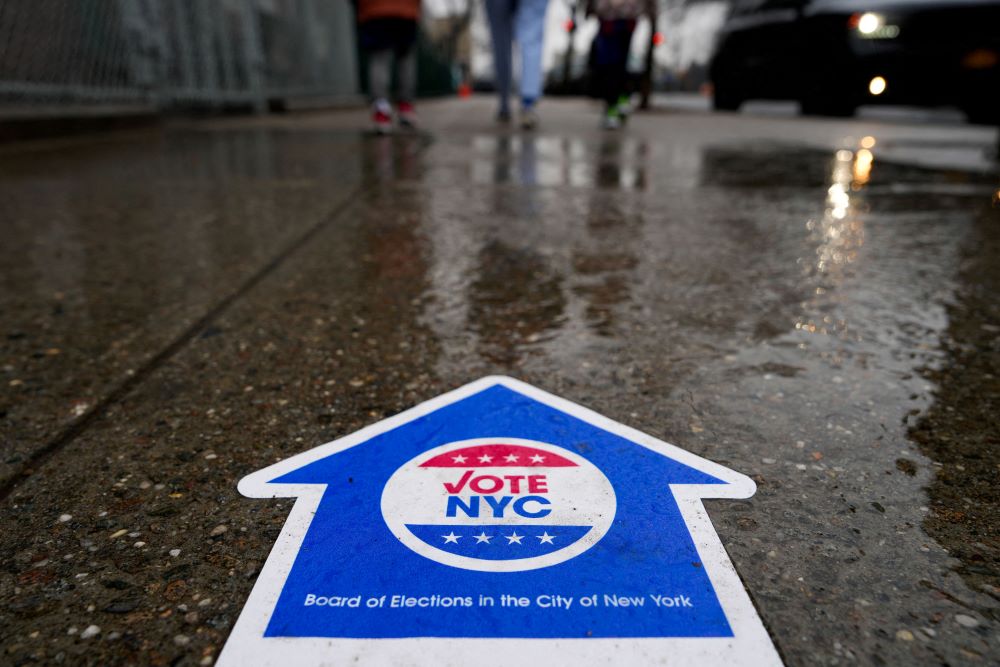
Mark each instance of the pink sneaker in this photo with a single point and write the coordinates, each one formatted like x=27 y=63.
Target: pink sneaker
x=382 y=117
x=407 y=115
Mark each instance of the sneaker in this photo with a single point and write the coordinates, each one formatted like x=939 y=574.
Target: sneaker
x=625 y=106
x=529 y=119
x=612 y=119
x=382 y=117
x=407 y=115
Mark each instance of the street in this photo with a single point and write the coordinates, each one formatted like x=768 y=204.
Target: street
x=814 y=303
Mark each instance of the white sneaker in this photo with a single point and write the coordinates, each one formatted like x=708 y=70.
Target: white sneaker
x=529 y=119
x=382 y=117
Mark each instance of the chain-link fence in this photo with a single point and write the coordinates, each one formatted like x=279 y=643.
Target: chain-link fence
x=175 y=53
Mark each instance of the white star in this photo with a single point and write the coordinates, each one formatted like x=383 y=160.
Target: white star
x=514 y=537
x=537 y=458
x=485 y=458
x=451 y=538
x=483 y=537
x=458 y=459
x=545 y=538
x=511 y=458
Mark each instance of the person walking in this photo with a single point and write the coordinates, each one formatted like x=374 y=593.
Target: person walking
x=610 y=51
x=522 y=21
x=387 y=29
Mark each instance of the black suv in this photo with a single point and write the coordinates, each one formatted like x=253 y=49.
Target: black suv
x=834 y=55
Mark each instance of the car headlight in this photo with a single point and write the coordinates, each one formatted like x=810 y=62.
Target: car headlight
x=872 y=25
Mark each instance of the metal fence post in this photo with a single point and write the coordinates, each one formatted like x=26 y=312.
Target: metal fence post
x=188 y=83
x=223 y=27
x=137 y=35
x=206 y=51
x=253 y=57
x=308 y=62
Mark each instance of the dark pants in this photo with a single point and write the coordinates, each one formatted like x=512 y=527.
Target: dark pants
x=382 y=39
x=609 y=58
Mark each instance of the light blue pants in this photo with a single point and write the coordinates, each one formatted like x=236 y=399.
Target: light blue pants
x=523 y=21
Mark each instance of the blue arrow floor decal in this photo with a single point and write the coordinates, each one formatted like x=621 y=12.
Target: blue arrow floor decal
x=499 y=512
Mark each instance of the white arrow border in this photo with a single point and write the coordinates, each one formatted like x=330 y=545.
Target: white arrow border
x=749 y=647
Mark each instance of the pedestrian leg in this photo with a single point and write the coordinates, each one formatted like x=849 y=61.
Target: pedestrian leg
x=499 y=13
x=623 y=43
x=379 y=74
x=530 y=32
x=605 y=69
x=406 y=73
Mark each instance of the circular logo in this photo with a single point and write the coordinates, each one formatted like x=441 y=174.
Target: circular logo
x=498 y=504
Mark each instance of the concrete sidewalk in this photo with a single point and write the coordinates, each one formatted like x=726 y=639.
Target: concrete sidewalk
x=183 y=306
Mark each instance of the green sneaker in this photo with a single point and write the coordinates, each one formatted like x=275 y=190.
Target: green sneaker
x=624 y=105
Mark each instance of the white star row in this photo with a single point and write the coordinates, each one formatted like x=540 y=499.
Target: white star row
x=513 y=538
x=510 y=458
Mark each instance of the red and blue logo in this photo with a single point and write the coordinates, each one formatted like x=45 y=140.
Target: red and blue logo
x=498 y=504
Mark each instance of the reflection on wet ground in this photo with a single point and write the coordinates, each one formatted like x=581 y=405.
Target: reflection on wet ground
x=513 y=299
x=617 y=162
x=789 y=297
x=516 y=301
x=775 y=307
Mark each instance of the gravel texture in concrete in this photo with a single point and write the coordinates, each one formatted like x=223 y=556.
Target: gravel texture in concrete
x=183 y=307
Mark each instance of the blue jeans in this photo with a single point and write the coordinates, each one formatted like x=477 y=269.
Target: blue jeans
x=523 y=21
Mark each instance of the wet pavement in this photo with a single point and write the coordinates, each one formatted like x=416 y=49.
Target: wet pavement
x=805 y=301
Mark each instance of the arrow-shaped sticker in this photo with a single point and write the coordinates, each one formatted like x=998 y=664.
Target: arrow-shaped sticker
x=497 y=524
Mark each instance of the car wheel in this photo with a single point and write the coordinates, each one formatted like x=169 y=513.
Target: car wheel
x=725 y=97
x=983 y=114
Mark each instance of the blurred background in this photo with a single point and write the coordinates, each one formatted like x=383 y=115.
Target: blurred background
x=119 y=59
x=259 y=54
x=126 y=57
